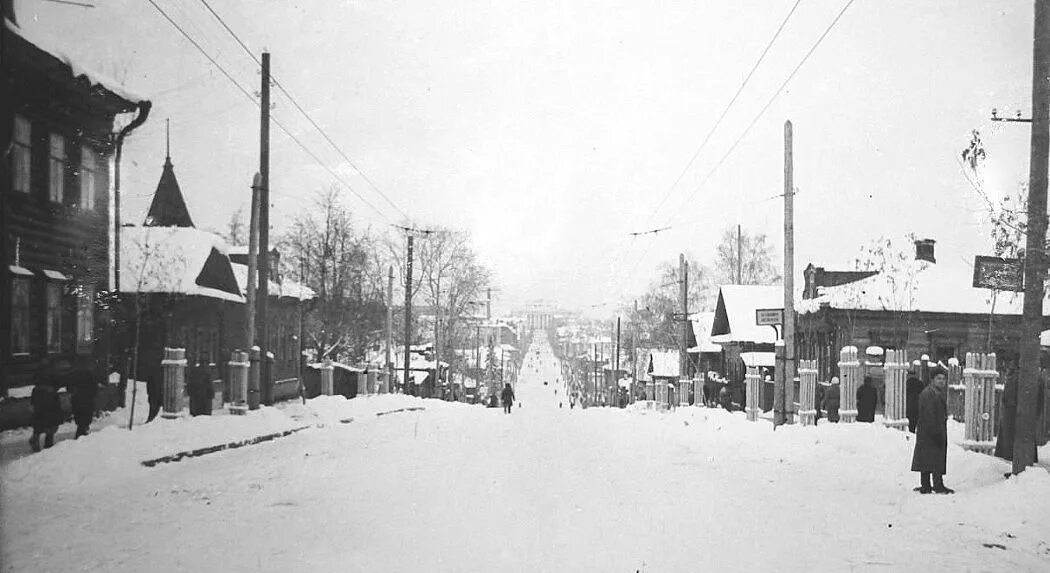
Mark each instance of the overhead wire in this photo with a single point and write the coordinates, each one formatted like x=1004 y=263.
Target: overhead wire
x=258 y=104
x=763 y=110
x=305 y=114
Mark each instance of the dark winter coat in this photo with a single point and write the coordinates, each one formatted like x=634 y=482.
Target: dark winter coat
x=831 y=402
x=867 y=396
x=84 y=385
x=931 y=435
x=507 y=395
x=912 y=392
x=47 y=409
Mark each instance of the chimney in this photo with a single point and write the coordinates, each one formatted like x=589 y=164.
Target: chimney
x=924 y=250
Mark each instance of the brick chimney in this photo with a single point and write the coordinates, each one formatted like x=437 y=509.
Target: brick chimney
x=924 y=250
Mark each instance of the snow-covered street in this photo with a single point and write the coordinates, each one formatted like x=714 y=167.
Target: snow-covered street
x=464 y=488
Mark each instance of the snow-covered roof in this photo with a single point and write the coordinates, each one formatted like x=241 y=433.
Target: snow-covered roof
x=701 y=323
x=77 y=69
x=734 y=319
x=173 y=260
x=758 y=358
x=286 y=288
x=945 y=286
x=663 y=364
x=339 y=365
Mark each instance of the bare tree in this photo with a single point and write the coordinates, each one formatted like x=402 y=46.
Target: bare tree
x=756 y=253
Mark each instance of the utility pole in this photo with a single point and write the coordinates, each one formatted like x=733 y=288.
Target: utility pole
x=683 y=294
x=437 y=336
x=616 y=377
x=739 y=255
x=299 y=355
x=253 y=268
x=408 y=313
x=266 y=383
x=789 y=275
x=1025 y=389
x=390 y=329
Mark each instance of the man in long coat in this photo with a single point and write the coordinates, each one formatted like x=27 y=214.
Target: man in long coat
x=931 y=435
x=867 y=398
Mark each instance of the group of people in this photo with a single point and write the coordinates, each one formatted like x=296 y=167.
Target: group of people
x=83 y=383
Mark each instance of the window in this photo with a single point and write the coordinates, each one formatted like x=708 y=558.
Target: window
x=20 y=154
x=54 y=317
x=57 y=168
x=85 y=319
x=88 y=178
x=20 y=315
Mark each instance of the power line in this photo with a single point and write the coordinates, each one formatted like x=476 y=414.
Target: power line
x=257 y=104
x=304 y=112
x=766 y=107
x=725 y=111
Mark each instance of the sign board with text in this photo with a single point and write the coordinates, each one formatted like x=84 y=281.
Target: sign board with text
x=769 y=316
x=998 y=274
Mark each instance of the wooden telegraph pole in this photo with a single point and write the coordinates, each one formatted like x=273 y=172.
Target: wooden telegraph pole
x=739 y=255
x=408 y=312
x=683 y=296
x=789 y=276
x=253 y=253
x=1026 y=387
x=266 y=382
x=390 y=329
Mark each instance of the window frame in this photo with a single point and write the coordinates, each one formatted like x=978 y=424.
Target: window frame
x=21 y=314
x=89 y=161
x=85 y=334
x=22 y=155
x=53 y=317
x=56 y=167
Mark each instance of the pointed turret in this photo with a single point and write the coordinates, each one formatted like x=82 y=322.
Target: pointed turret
x=168 y=208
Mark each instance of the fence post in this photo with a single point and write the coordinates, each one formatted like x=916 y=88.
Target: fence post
x=174 y=365
x=896 y=368
x=807 y=392
x=849 y=369
x=956 y=391
x=253 y=378
x=753 y=390
x=238 y=382
x=685 y=386
x=980 y=376
x=327 y=382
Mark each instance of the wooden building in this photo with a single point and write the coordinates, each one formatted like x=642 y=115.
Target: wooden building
x=57 y=127
x=923 y=306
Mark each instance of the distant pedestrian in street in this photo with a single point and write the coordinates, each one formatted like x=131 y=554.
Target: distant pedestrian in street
x=931 y=435
x=912 y=390
x=725 y=399
x=83 y=383
x=47 y=409
x=831 y=400
x=867 y=396
x=818 y=398
x=508 y=398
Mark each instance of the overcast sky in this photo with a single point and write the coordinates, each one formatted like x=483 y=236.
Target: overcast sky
x=552 y=130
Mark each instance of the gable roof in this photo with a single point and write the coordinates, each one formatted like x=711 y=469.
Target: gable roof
x=176 y=260
x=662 y=364
x=702 y=323
x=168 y=208
x=734 y=319
x=286 y=288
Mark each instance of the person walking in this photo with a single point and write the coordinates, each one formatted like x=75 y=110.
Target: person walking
x=867 y=396
x=83 y=383
x=913 y=388
x=47 y=409
x=508 y=398
x=931 y=435
x=831 y=400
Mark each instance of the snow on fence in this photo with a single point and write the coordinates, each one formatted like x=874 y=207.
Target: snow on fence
x=174 y=365
x=327 y=377
x=849 y=374
x=956 y=391
x=896 y=368
x=807 y=394
x=980 y=377
x=238 y=382
x=753 y=391
x=685 y=387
